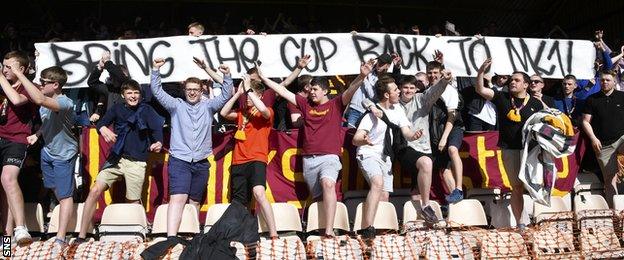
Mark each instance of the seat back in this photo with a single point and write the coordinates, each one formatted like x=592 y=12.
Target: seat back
x=213 y=214
x=289 y=219
x=316 y=217
x=123 y=222
x=385 y=217
x=188 y=225
x=73 y=227
x=33 y=213
x=467 y=212
x=589 y=202
x=542 y=212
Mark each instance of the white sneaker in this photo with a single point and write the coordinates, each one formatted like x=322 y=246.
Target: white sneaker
x=21 y=236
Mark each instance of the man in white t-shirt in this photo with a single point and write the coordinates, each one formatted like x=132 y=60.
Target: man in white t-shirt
x=374 y=153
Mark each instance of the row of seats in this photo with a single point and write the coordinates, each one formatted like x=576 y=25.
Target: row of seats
x=122 y=221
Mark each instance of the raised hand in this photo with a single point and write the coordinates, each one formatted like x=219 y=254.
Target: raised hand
x=158 y=62
x=485 y=66
x=396 y=59
x=304 y=61
x=367 y=67
x=200 y=63
x=438 y=56
x=225 y=69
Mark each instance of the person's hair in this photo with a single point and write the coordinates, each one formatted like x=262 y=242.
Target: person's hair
x=525 y=76
x=569 y=76
x=420 y=73
x=322 y=82
x=302 y=81
x=608 y=72
x=192 y=80
x=55 y=73
x=197 y=25
x=257 y=86
x=130 y=85
x=381 y=86
x=434 y=65
x=19 y=56
x=252 y=71
x=409 y=79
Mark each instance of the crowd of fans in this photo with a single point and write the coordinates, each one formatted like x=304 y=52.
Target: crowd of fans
x=416 y=120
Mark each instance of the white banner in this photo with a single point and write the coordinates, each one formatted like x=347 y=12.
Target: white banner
x=332 y=54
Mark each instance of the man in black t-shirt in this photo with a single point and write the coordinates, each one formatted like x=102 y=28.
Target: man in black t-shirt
x=603 y=122
x=512 y=111
x=535 y=89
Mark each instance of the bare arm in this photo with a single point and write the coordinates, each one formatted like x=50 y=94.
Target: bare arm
x=596 y=144
x=11 y=94
x=365 y=69
x=226 y=110
x=360 y=138
x=483 y=91
x=213 y=74
x=409 y=134
x=279 y=89
x=36 y=95
x=301 y=64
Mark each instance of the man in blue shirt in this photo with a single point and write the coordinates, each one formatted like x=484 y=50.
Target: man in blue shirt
x=191 y=140
x=138 y=131
x=61 y=146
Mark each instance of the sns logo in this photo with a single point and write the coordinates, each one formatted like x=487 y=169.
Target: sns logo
x=6 y=246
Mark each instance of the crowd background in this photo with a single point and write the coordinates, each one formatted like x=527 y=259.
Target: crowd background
x=43 y=21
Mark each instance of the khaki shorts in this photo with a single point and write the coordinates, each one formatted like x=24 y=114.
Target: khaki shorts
x=608 y=159
x=511 y=160
x=133 y=173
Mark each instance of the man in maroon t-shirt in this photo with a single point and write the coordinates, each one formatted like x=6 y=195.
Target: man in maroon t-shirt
x=322 y=136
x=16 y=115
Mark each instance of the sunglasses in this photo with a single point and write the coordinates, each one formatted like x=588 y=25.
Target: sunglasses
x=44 y=82
x=537 y=81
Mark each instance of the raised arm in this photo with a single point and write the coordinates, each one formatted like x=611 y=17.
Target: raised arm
x=365 y=69
x=483 y=91
x=279 y=89
x=227 y=110
x=213 y=74
x=226 y=89
x=36 y=96
x=166 y=100
x=11 y=94
x=301 y=64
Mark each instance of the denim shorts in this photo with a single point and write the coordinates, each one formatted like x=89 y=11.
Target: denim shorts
x=189 y=178
x=58 y=175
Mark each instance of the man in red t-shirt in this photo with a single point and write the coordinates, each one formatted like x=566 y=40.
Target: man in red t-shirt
x=322 y=136
x=16 y=115
x=251 y=149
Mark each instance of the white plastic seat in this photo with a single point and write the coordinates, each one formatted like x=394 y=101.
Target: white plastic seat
x=213 y=214
x=542 y=212
x=589 y=202
x=412 y=207
x=316 y=217
x=467 y=212
x=618 y=203
x=188 y=225
x=33 y=213
x=74 y=221
x=286 y=218
x=123 y=222
x=385 y=218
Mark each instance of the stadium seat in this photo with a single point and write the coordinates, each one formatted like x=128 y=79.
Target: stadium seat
x=618 y=203
x=286 y=219
x=385 y=218
x=123 y=222
x=412 y=208
x=213 y=214
x=188 y=226
x=501 y=214
x=73 y=226
x=468 y=212
x=481 y=194
x=33 y=213
x=542 y=212
x=589 y=202
x=316 y=217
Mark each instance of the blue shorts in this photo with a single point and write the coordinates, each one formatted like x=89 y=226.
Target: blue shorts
x=353 y=118
x=58 y=175
x=189 y=178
